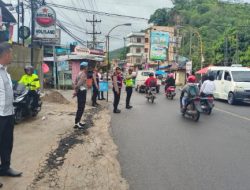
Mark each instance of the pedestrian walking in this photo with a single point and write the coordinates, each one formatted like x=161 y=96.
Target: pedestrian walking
x=95 y=87
x=117 y=86
x=6 y=113
x=80 y=92
x=129 y=87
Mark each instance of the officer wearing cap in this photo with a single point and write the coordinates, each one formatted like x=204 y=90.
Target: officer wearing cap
x=80 y=91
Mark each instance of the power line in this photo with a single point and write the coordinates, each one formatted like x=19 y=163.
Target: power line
x=60 y=25
x=94 y=33
x=95 y=12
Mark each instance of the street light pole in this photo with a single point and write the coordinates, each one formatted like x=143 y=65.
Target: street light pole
x=201 y=47
x=107 y=48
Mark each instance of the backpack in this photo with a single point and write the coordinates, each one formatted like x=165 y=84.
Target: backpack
x=152 y=83
x=192 y=91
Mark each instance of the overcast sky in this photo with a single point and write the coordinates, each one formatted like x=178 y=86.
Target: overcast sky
x=136 y=8
x=76 y=21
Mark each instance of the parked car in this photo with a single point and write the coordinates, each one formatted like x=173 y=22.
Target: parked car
x=141 y=77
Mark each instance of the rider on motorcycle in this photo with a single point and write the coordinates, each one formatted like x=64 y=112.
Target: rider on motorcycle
x=31 y=81
x=150 y=82
x=189 y=91
x=208 y=86
x=170 y=81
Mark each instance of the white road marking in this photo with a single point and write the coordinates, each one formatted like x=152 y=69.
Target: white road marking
x=233 y=114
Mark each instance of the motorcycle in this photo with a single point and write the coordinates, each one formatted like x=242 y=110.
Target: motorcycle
x=151 y=94
x=23 y=103
x=207 y=104
x=170 y=92
x=192 y=108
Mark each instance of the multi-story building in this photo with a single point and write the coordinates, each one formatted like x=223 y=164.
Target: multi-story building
x=170 y=48
x=136 y=41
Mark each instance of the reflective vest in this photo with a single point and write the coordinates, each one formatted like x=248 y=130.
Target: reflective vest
x=129 y=82
x=30 y=82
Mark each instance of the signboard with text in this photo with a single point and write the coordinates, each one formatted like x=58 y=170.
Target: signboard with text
x=159 y=42
x=45 y=23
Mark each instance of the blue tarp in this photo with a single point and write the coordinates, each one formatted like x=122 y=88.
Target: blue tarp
x=103 y=86
x=160 y=72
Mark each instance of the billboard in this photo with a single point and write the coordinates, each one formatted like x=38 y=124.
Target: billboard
x=159 y=42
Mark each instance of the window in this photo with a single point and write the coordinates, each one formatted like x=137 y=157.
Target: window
x=227 y=76
x=241 y=76
x=146 y=50
x=138 y=50
x=145 y=73
x=138 y=60
x=138 y=40
x=219 y=75
x=146 y=40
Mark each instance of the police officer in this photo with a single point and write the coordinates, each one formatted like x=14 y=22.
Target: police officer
x=117 y=86
x=129 y=87
x=80 y=91
x=31 y=81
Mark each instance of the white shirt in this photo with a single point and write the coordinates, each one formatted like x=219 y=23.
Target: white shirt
x=208 y=87
x=6 y=93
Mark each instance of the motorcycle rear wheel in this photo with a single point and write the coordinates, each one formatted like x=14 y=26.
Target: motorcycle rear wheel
x=196 y=117
x=152 y=99
x=209 y=111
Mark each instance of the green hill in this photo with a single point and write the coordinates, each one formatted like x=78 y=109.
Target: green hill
x=223 y=27
x=116 y=54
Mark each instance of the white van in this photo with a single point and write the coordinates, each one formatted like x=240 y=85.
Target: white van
x=141 y=77
x=232 y=83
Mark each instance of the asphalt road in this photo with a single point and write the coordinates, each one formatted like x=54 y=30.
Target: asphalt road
x=161 y=150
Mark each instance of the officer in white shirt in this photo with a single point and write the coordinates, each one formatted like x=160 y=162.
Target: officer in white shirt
x=208 y=86
x=6 y=113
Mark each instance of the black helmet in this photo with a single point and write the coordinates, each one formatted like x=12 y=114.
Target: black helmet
x=151 y=74
x=211 y=77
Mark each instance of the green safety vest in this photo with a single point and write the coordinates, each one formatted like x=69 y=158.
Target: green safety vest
x=129 y=82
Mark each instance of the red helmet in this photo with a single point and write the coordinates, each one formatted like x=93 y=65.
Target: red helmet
x=191 y=79
x=171 y=75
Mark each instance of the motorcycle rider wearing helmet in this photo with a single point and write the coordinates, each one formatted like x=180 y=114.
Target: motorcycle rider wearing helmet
x=170 y=81
x=189 y=90
x=150 y=82
x=31 y=81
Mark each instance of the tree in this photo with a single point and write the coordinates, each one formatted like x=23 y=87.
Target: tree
x=224 y=28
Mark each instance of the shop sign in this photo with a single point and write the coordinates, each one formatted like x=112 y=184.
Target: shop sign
x=45 y=22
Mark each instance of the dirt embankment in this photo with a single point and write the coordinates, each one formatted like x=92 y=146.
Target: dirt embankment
x=53 y=155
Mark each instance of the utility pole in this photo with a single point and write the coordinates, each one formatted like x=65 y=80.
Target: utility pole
x=190 y=46
x=18 y=20
x=237 y=47
x=124 y=48
x=226 y=52
x=22 y=20
x=94 y=33
x=32 y=30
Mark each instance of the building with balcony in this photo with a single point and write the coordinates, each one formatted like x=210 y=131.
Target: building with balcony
x=135 y=44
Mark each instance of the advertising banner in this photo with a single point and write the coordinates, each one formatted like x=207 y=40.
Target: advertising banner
x=159 y=45
x=45 y=23
x=189 y=66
